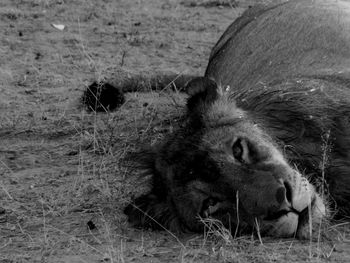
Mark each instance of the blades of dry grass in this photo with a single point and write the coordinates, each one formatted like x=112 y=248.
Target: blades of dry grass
x=310 y=228
x=326 y=149
x=237 y=213
x=5 y=191
x=258 y=230
x=214 y=227
x=160 y=225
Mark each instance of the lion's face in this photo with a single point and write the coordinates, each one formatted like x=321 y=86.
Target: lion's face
x=224 y=166
x=235 y=173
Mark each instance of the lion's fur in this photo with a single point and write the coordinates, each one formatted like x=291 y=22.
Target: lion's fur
x=103 y=96
x=312 y=126
x=269 y=44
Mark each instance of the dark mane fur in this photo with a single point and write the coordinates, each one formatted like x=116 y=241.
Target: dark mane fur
x=309 y=118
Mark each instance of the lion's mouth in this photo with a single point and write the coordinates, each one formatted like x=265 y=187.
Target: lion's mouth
x=287 y=222
x=277 y=215
x=283 y=223
x=210 y=206
x=281 y=213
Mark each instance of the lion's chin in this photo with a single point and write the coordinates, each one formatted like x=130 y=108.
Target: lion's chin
x=299 y=225
x=284 y=226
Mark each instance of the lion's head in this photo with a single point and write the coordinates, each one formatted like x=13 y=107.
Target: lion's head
x=222 y=164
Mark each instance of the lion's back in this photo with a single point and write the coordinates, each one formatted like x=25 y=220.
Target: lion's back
x=277 y=42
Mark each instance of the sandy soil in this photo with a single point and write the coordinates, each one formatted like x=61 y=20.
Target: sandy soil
x=62 y=183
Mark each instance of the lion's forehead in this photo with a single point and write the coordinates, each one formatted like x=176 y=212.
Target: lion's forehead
x=219 y=137
x=223 y=129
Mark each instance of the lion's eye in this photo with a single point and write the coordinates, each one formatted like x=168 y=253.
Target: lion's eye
x=237 y=150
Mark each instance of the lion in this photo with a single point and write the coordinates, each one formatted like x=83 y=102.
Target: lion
x=266 y=137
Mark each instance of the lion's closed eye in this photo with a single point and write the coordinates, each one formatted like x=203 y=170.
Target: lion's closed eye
x=238 y=150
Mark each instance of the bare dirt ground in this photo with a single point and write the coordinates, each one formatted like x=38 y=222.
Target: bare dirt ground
x=62 y=185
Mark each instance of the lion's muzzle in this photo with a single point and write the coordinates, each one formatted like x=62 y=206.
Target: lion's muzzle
x=300 y=208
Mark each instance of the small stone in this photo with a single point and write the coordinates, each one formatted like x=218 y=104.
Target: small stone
x=2 y=211
x=91 y=225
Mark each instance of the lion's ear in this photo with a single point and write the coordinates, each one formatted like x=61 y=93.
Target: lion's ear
x=202 y=91
x=148 y=211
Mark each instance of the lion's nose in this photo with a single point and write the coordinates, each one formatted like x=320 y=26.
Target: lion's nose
x=282 y=204
x=284 y=194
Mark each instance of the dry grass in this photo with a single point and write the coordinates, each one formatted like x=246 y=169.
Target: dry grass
x=62 y=186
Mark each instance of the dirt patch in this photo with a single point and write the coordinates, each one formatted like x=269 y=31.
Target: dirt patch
x=60 y=167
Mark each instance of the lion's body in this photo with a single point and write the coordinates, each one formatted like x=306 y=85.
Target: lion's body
x=274 y=104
